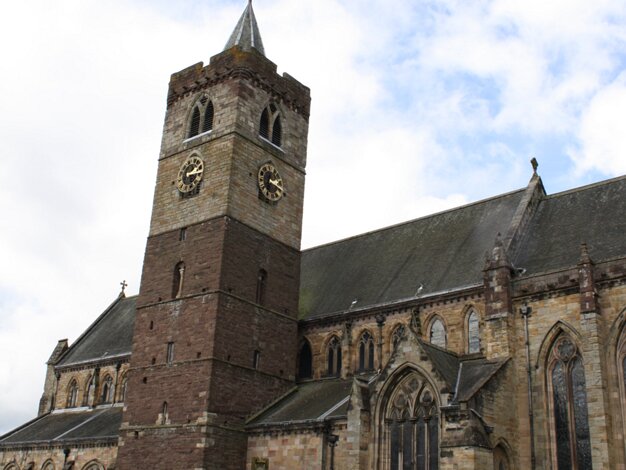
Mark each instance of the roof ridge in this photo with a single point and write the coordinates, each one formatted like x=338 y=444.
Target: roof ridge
x=586 y=187
x=424 y=217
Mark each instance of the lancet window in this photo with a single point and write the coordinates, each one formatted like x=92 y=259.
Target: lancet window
x=106 y=395
x=438 y=335
x=334 y=357
x=396 y=336
x=473 y=332
x=305 y=361
x=366 y=352
x=567 y=384
x=72 y=394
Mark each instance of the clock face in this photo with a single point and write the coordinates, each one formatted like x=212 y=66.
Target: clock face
x=190 y=174
x=270 y=183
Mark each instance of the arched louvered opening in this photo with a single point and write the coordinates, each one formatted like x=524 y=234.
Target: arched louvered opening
x=264 y=128
x=207 y=125
x=305 y=361
x=277 y=132
x=194 y=125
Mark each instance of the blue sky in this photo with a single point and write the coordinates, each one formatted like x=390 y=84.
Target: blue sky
x=448 y=100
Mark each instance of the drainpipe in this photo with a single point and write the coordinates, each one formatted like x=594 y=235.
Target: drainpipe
x=332 y=442
x=525 y=310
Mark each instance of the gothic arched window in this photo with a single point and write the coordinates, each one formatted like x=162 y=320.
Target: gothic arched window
x=473 y=332
x=270 y=127
x=106 y=396
x=305 y=361
x=123 y=388
x=47 y=465
x=201 y=120
x=566 y=377
x=621 y=372
x=410 y=428
x=396 y=336
x=366 y=352
x=500 y=458
x=72 y=394
x=88 y=399
x=438 y=335
x=178 y=279
x=334 y=357
x=93 y=465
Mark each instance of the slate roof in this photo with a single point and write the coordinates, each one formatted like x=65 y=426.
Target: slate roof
x=446 y=362
x=68 y=425
x=473 y=375
x=111 y=335
x=439 y=252
x=246 y=34
x=311 y=401
x=595 y=214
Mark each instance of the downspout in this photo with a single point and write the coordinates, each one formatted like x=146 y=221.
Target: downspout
x=525 y=310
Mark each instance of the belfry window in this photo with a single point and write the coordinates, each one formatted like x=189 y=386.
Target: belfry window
x=569 y=406
x=72 y=394
x=106 y=396
x=473 y=333
x=366 y=352
x=270 y=126
x=201 y=119
x=334 y=357
x=438 y=335
x=177 y=282
x=305 y=361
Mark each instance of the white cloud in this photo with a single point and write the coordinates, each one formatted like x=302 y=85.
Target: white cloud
x=602 y=135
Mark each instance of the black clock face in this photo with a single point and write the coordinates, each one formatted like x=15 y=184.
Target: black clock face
x=270 y=183
x=190 y=174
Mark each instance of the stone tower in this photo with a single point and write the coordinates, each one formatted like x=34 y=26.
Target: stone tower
x=216 y=325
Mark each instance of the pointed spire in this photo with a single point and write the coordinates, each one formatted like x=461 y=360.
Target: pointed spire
x=246 y=34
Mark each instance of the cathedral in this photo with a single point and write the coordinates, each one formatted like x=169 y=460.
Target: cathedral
x=489 y=336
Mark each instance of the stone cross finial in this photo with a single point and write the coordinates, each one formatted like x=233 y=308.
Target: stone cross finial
x=124 y=286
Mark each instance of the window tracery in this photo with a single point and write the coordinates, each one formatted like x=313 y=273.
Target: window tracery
x=567 y=385
x=366 y=352
x=334 y=356
x=410 y=428
x=396 y=336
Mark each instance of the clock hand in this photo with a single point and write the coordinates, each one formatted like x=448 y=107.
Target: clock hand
x=194 y=172
x=275 y=183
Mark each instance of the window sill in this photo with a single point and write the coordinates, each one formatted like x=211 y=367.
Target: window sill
x=197 y=136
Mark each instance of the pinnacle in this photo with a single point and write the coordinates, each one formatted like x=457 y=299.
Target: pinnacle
x=246 y=34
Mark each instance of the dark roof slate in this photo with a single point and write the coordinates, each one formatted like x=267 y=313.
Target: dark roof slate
x=439 y=252
x=595 y=214
x=110 y=335
x=474 y=374
x=71 y=425
x=446 y=363
x=309 y=402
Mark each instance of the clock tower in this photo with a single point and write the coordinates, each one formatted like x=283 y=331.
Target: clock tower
x=216 y=325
